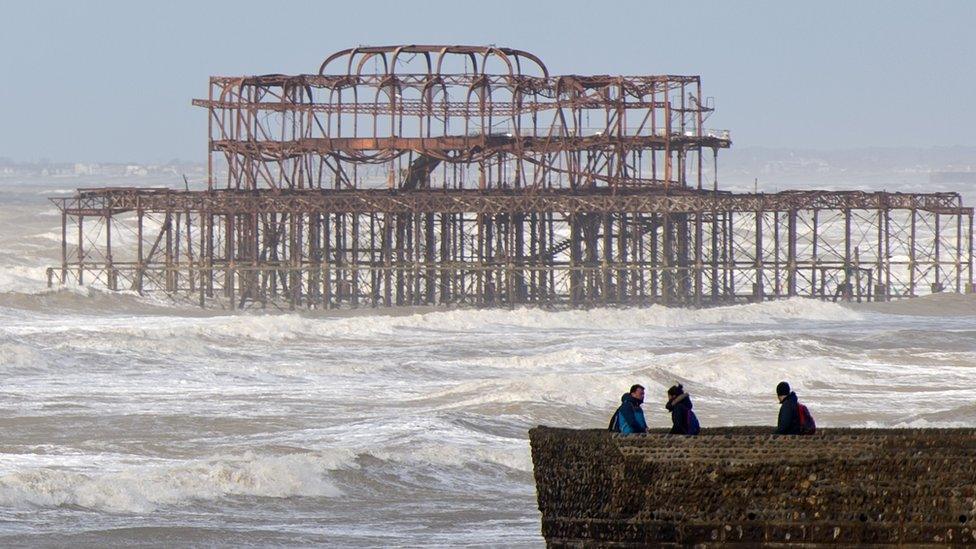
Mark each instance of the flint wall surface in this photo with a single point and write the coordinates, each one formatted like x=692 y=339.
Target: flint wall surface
x=744 y=486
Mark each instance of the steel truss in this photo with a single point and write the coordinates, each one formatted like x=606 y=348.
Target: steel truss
x=441 y=175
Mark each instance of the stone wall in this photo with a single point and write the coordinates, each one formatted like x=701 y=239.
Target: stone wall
x=746 y=486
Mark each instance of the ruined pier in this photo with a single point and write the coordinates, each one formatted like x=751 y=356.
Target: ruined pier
x=469 y=175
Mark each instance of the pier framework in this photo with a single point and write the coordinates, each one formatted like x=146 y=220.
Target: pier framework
x=437 y=175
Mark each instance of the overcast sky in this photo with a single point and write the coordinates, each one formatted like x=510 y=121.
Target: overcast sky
x=113 y=80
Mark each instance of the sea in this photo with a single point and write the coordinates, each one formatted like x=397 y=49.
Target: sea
x=142 y=422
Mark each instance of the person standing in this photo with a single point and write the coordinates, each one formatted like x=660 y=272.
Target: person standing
x=794 y=418
x=683 y=419
x=629 y=417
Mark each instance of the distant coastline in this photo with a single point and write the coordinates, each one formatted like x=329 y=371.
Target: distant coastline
x=738 y=166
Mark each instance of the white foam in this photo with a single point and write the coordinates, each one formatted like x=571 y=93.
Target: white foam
x=23 y=279
x=17 y=355
x=285 y=327
x=754 y=367
x=140 y=488
x=497 y=452
x=616 y=319
x=434 y=441
x=916 y=423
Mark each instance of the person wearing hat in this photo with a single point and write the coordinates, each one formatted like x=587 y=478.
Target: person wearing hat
x=789 y=417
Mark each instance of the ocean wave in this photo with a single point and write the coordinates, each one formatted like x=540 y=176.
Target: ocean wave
x=440 y=442
x=595 y=379
x=20 y=279
x=38 y=298
x=515 y=457
x=573 y=358
x=143 y=488
x=755 y=367
x=475 y=323
x=656 y=316
x=590 y=390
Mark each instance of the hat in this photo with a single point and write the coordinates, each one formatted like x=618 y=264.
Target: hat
x=782 y=389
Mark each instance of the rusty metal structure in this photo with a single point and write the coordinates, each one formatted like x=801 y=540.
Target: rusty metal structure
x=435 y=175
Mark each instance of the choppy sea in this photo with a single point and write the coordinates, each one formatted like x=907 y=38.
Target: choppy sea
x=128 y=420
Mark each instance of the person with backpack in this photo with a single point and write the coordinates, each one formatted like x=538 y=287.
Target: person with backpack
x=629 y=417
x=794 y=418
x=683 y=419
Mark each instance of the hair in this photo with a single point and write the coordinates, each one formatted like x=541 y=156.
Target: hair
x=783 y=389
x=634 y=387
x=676 y=390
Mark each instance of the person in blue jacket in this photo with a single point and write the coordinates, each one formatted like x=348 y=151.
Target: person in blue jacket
x=629 y=417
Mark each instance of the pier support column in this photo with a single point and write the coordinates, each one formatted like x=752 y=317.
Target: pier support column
x=758 y=291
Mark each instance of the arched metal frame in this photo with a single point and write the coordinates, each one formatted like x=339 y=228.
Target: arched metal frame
x=423 y=175
x=517 y=128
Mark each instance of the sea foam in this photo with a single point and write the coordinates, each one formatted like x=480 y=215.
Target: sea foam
x=140 y=488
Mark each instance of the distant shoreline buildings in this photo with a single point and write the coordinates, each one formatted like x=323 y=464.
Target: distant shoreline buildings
x=44 y=168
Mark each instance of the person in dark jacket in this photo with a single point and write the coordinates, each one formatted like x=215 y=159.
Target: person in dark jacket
x=679 y=404
x=629 y=417
x=789 y=416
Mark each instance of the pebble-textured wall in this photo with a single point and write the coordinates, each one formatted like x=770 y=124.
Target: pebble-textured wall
x=745 y=486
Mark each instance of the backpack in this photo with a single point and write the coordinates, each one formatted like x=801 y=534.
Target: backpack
x=693 y=426
x=807 y=425
x=614 y=426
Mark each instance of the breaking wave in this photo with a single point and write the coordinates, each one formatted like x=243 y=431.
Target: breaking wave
x=284 y=327
x=143 y=488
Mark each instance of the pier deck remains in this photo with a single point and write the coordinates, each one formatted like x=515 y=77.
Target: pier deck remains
x=468 y=175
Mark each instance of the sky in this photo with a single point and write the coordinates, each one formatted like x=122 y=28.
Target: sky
x=112 y=81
